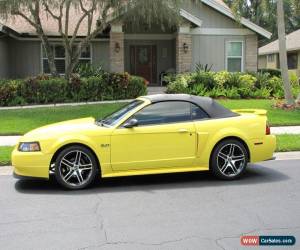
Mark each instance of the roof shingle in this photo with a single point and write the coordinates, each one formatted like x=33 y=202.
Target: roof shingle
x=292 y=43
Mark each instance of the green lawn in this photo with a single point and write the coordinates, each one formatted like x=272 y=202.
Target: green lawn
x=14 y=122
x=20 y=121
x=276 y=117
x=284 y=143
x=5 y=153
x=288 y=143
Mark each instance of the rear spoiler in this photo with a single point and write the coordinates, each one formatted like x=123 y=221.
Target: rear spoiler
x=261 y=112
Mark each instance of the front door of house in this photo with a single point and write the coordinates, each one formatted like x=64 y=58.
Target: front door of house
x=143 y=61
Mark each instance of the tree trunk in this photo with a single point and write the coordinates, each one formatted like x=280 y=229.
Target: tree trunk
x=48 y=50
x=50 y=56
x=283 y=54
x=72 y=61
x=70 y=68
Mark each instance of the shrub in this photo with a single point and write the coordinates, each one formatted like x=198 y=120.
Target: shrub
x=179 y=84
x=233 y=93
x=204 y=78
x=137 y=86
x=222 y=77
x=247 y=81
x=199 y=67
x=272 y=72
x=9 y=91
x=295 y=80
x=198 y=89
x=45 y=89
x=230 y=85
x=88 y=70
x=262 y=93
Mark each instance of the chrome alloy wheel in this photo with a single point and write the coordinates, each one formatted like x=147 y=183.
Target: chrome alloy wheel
x=231 y=160
x=75 y=168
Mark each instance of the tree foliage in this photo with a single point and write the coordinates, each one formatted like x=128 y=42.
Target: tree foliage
x=97 y=15
x=264 y=14
x=275 y=15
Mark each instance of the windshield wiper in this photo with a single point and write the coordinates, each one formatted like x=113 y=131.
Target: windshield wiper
x=101 y=123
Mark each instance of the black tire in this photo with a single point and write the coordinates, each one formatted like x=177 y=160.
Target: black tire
x=75 y=167
x=229 y=160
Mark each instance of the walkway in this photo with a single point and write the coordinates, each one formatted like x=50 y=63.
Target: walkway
x=156 y=90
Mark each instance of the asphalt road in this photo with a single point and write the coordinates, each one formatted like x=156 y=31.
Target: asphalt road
x=179 y=211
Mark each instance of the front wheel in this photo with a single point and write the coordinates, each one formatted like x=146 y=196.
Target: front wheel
x=229 y=159
x=75 y=167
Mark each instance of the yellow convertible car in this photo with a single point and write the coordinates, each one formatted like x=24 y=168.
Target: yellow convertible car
x=150 y=135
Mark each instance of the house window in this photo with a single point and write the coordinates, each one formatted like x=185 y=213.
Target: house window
x=60 y=58
x=271 y=58
x=292 y=60
x=85 y=56
x=234 y=56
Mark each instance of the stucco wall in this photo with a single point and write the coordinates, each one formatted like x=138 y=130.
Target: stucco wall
x=210 y=49
x=262 y=62
x=100 y=54
x=251 y=53
x=210 y=17
x=25 y=58
x=4 y=58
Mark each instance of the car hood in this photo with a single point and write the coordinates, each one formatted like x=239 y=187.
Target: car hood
x=63 y=128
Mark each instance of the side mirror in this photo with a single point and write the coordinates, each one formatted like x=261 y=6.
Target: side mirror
x=131 y=123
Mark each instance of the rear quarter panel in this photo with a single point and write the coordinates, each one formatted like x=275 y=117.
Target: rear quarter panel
x=249 y=127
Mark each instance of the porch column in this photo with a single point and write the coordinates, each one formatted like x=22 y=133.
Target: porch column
x=251 y=52
x=116 y=48
x=183 y=49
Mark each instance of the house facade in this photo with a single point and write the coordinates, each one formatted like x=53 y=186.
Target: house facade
x=269 y=54
x=208 y=34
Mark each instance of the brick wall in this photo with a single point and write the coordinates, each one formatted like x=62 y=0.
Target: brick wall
x=183 y=59
x=116 y=58
x=251 y=53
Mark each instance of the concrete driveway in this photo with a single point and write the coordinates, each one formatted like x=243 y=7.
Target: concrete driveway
x=179 y=211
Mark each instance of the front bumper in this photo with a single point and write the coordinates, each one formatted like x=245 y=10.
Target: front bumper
x=31 y=164
x=29 y=178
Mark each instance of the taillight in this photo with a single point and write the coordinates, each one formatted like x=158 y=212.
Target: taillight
x=268 y=129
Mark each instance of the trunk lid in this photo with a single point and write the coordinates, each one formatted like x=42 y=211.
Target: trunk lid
x=260 y=112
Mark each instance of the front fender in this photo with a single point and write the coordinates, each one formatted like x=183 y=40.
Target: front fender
x=94 y=143
x=78 y=139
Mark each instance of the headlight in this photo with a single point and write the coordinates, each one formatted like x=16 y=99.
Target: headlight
x=29 y=147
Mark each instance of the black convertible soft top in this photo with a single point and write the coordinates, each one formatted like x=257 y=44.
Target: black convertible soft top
x=210 y=106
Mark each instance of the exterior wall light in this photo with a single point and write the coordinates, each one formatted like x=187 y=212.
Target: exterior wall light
x=117 y=47
x=185 y=48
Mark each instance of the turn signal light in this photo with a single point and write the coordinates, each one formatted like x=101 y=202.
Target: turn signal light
x=268 y=129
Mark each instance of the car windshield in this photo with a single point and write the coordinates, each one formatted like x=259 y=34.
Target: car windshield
x=115 y=117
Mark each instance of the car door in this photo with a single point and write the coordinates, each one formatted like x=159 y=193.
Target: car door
x=164 y=138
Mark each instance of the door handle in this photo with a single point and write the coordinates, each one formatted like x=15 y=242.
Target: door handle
x=183 y=130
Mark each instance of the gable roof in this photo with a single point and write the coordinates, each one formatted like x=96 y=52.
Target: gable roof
x=50 y=25
x=220 y=6
x=17 y=23
x=292 y=43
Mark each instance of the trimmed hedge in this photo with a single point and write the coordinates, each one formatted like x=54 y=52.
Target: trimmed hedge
x=272 y=72
x=224 y=84
x=45 y=89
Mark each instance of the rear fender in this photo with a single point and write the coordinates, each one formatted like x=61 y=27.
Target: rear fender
x=221 y=135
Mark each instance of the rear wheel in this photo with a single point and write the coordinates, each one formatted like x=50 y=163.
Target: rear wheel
x=75 y=167
x=229 y=159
